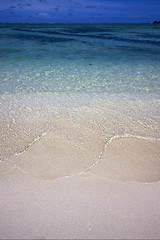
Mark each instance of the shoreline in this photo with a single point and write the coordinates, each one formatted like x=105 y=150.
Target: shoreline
x=25 y=118
x=80 y=169
x=80 y=132
x=125 y=159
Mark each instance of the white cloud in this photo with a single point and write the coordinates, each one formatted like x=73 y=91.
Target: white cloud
x=43 y=14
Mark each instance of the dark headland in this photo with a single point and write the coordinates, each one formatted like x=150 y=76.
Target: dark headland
x=155 y=22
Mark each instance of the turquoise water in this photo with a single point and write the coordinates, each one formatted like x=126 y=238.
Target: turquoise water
x=101 y=77
x=79 y=58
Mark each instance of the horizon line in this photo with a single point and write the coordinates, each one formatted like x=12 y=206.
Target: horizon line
x=76 y=22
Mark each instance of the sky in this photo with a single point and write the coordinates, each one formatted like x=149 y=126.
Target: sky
x=79 y=11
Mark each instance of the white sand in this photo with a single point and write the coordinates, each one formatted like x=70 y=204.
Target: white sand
x=60 y=153
x=85 y=206
x=82 y=207
x=130 y=159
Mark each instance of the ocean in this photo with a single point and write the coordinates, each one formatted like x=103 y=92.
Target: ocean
x=76 y=80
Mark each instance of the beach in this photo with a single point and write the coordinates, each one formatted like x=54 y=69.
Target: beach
x=73 y=182
x=80 y=131
x=83 y=206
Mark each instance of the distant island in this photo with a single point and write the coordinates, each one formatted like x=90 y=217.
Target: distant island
x=156 y=22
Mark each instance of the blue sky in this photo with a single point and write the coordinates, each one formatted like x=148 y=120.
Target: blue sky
x=74 y=11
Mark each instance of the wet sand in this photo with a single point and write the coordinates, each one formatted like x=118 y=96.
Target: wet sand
x=79 y=167
x=79 y=131
x=130 y=159
x=49 y=191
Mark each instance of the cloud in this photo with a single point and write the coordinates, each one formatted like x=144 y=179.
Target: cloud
x=44 y=15
x=81 y=9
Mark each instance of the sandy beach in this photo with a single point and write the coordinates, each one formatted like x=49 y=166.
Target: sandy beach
x=62 y=189
x=79 y=123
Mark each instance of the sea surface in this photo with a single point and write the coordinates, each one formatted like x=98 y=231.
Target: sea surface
x=102 y=78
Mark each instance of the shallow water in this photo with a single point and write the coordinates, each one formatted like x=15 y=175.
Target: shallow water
x=71 y=58
x=71 y=79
